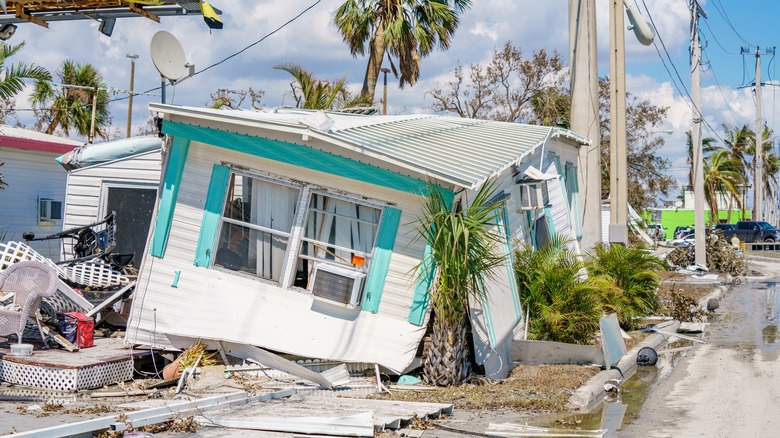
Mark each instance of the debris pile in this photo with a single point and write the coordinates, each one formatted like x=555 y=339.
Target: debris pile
x=721 y=256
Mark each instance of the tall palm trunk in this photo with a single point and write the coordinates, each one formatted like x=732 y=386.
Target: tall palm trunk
x=447 y=362
x=376 y=53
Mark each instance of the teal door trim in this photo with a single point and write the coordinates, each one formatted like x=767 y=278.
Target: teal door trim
x=177 y=156
x=380 y=263
x=212 y=212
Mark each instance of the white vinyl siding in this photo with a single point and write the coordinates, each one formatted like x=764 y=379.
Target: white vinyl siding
x=84 y=203
x=30 y=175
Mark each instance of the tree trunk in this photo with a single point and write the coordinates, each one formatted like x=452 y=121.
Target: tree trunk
x=375 y=55
x=447 y=362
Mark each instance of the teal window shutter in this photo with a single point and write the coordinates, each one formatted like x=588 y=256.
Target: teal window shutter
x=177 y=156
x=420 y=299
x=212 y=212
x=550 y=224
x=380 y=263
x=573 y=190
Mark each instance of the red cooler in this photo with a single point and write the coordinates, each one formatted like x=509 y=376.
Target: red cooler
x=85 y=327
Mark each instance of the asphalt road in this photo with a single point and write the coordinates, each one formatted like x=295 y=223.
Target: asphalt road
x=730 y=386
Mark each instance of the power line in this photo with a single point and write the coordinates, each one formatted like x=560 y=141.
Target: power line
x=723 y=14
x=285 y=24
x=677 y=73
x=720 y=90
x=717 y=41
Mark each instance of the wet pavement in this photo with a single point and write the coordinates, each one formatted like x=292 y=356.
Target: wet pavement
x=727 y=387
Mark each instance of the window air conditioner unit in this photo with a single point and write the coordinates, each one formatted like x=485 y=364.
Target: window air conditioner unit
x=338 y=285
x=532 y=195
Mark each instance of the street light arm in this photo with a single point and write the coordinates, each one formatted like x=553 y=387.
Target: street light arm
x=642 y=29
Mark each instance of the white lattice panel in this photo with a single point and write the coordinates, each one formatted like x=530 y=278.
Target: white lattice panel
x=85 y=274
x=66 y=379
x=93 y=274
x=13 y=252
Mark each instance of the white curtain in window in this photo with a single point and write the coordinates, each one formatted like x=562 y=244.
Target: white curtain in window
x=273 y=206
x=346 y=225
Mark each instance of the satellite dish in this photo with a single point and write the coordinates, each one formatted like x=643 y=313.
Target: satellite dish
x=168 y=55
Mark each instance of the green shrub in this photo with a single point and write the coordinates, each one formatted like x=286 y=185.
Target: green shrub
x=635 y=273
x=564 y=302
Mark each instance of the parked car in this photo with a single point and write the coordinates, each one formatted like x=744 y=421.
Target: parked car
x=757 y=231
x=681 y=230
x=656 y=231
x=725 y=229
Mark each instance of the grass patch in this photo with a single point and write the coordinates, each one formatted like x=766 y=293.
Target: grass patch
x=537 y=388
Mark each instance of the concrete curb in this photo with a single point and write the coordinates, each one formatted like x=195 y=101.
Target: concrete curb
x=592 y=392
x=762 y=258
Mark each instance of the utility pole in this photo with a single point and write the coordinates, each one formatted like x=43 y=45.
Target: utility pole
x=758 y=158
x=130 y=100
x=584 y=113
x=618 y=173
x=94 y=112
x=384 y=97
x=700 y=246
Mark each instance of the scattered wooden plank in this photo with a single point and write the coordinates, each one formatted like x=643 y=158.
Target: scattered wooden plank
x=59 y=339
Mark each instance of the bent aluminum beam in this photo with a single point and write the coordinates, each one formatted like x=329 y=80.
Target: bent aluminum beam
x=154 y=415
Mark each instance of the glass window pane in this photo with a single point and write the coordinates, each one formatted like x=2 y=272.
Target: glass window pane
x=263 y=204
x=339 y=231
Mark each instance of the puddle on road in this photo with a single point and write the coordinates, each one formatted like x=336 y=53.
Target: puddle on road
x=619 y=410
x=770 y=333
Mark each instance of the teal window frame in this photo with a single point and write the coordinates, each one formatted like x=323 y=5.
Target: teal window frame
x=378 y=261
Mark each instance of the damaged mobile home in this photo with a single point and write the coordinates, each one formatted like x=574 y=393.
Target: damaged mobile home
x=295 y=230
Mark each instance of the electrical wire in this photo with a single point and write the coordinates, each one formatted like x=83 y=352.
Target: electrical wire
x=689 y=101
x=723 y=14
x=720 y=90
x=707 y=25
x=285 y=24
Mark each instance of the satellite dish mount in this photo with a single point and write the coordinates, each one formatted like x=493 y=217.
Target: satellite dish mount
x=168 y=58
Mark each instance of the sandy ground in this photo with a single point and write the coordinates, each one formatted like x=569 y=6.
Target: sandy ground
x=729 y=387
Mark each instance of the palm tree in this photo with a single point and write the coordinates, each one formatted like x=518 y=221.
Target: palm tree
x=71 y=108
x=312 y=93
x=406 y=29
x=707 y=146
x=769 y=160
x=463 y=254
x=722 y=174
x=738 y=142
x=13 y=75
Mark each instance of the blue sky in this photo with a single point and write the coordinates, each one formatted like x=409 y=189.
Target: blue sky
x=313 y=41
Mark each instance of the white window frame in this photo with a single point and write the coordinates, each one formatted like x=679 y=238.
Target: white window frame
x=296 y=236
x=44 y=213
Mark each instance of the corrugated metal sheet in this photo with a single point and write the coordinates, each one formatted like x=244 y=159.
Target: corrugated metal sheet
x=464 y=151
